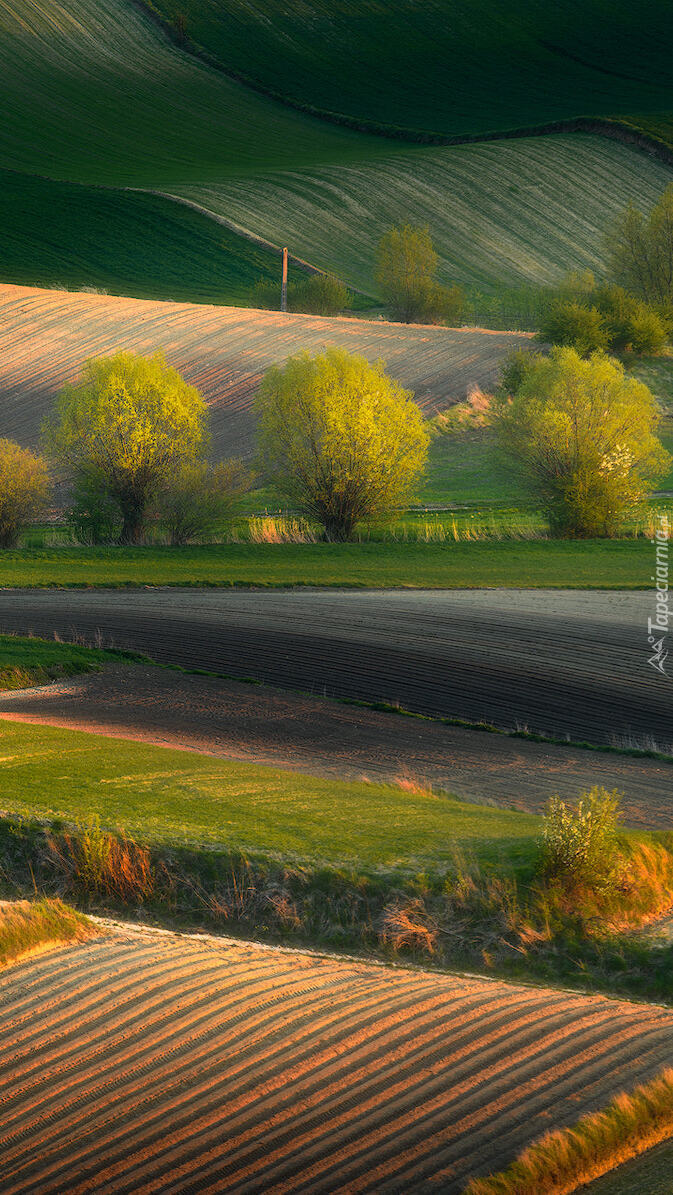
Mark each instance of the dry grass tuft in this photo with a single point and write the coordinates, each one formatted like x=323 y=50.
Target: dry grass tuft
x=268 y=530
x=407 y=927
x=564 y=1160
x=98 y=865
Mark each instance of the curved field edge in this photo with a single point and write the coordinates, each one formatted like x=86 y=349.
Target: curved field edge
x=412 y=74
x=68 y=235
x=565 y=1160
x=27 y=927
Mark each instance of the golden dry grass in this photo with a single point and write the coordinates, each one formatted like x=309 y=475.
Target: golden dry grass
x=27 y=927
x=566 y=1159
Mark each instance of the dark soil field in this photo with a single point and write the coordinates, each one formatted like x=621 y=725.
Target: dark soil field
x=149 y=1062
x=562 y=663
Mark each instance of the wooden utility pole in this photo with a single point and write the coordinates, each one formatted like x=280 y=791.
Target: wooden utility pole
x=283 y=287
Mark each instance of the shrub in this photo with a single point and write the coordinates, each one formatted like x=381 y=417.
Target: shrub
x=518 y=364
x=321 y=294
x=94 y=514
x=579 y=842
x=582 y=433
x=24 y=490
x=406 y=268
x=640 y=250
x=200 y=496
x=340 y=439
x=318 y=294
x=574 y=326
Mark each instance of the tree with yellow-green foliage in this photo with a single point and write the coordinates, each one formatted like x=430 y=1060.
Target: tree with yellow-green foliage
x=341 y=440
x=583 y=432
x=130 y=424
x=24 y=490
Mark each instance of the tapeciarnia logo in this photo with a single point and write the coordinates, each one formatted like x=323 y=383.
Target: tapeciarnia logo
x=657 y=627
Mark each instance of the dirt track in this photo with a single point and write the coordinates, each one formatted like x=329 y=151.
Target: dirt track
x=558 y=662
x=153 y=1063
x=309 y=734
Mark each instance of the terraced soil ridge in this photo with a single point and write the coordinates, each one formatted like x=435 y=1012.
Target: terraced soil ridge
x=45 y=336
x=146 y=1062
x=557 y=662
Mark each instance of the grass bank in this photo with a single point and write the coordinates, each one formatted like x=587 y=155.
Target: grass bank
x=565 y=1160
x=25 y=661
x=586 y=564
x=25 y=927
x=188 y=839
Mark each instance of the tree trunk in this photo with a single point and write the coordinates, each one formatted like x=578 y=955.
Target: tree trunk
x=133 y=526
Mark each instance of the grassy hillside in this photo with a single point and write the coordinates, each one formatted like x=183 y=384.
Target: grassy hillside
x=471 y=67
x=97 y=94
x=93 y=92
x=169 y=796
x=515 y=212
x=128 y=243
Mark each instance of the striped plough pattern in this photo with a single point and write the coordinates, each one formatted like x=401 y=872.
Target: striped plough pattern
x=223 y=351
x=145 y=1062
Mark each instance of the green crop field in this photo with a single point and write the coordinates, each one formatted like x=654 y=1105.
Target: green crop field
x=129 y=243
x=164 y=795
x=445 y=68
x=98 y=95
x=503 y=213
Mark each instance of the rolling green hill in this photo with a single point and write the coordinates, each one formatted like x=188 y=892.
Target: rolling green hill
x=462 y=68
x=129 y=243
x=511 y=212
x=95 y=94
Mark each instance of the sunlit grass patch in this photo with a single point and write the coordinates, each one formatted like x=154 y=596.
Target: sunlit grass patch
x=27 y=926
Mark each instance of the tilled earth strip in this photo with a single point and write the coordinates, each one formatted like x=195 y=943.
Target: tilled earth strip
x=565 y=663
x=325 y=738
x=152 y=1062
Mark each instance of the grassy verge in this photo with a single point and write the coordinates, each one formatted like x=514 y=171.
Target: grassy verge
x=25 y=927
x=384 y=869
x=587 y=564
x=177 y=798
x=26 y=661
x=566 y=1159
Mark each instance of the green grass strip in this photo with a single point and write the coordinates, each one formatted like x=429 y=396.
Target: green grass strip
x=585 y=564
x=25 y=927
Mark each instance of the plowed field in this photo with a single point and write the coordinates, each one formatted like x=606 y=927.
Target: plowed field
x=559 y=662
x=46 y=335
x=151 y=1063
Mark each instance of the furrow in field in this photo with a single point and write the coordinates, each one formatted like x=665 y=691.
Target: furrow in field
x=561 y=663
x=348 y=1077
x=45 y=336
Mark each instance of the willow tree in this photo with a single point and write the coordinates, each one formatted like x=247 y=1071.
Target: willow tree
x=583 y=432
x=130 y=424
x=340 y=439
